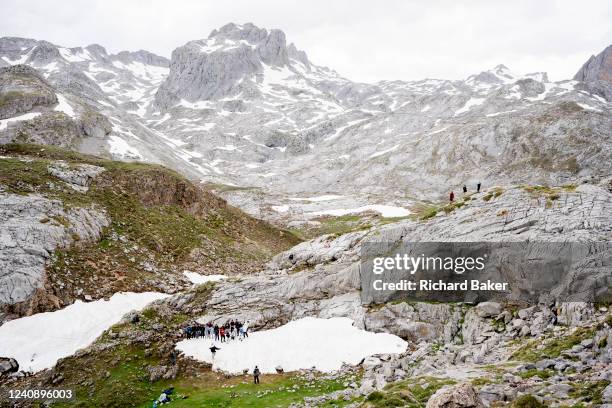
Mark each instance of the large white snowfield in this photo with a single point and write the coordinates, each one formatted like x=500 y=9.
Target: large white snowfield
x=301 y=344
x=38 y=341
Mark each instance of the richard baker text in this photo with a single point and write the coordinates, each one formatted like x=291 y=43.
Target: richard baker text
x=524 y=272
x=429 y=285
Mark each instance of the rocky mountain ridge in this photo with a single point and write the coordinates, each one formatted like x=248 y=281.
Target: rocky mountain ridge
x=80 y=227
x=244 y=109
x=597 y=68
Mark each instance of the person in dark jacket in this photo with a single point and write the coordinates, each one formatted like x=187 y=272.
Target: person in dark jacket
x=464 y=189
x=478 y=187
x=173 y=356
x=213 y=350
x=451 y=196
x=256 y=374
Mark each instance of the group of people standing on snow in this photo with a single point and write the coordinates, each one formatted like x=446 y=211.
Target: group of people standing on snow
x=231 y=330
x=451 y=196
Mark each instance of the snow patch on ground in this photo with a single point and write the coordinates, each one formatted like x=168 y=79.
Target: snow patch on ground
x=77 y=55
x=38 y=341
x=588 y=107
x=198 y=279
x=20 y=60
x=300 y=344
x=196 y=105
x=119 y=147
x=491 y=115
x=326 y=197
x=438 y=131
x=280 y=208
x=5 y=122
x=468 y=105
x=342 y=128
x=64 y=106
x=387 y=211
x=383 y=152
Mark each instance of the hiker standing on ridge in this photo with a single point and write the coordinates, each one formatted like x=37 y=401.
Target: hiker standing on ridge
x=213 y=350
x=451 y=196
x=464 y=189
x=478 y=187
x=256 y=373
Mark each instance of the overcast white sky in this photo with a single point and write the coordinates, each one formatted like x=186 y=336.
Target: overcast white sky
x=362 y=40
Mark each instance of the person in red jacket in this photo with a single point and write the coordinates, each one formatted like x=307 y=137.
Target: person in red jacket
x=222 y=334
x=452 y=196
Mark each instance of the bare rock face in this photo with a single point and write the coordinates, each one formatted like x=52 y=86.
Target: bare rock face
x=216 y=67
x=459 y=396
x=141 y=56
x=415 y=322
x=530 y=87
x=49 y=128
x=35 y=114
x=94 y=124
x=31 y=228
x=78 y=178
x=43 y=53
x=597 y=68
x=22 y=89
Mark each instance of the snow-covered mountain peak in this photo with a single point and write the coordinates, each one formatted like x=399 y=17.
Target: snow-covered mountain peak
x=234 y=60
x=502 y=75
x=250 y=41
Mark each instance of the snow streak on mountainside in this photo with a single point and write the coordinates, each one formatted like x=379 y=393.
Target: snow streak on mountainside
x=243 y=108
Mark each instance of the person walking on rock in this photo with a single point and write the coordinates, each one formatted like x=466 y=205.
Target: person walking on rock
x=464 y=189
x=478 y=187
x=451 y=196
x=256 y=374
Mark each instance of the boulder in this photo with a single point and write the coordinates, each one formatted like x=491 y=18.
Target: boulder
x=606 y=395
x=496 y=392
x=488 y=309
x=156 y=373
x=544 y=364
x=459 y=396
x=8 y=366
x=131 y=317
x=575 y=314
x=559 y=390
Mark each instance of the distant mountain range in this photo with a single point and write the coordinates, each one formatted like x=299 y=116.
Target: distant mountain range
x=245 y=109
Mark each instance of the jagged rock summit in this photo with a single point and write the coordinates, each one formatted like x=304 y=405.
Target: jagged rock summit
x=597 y=68
x=225 y=63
